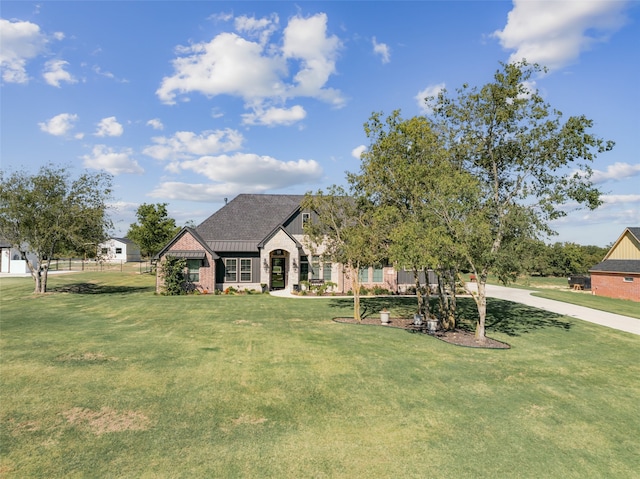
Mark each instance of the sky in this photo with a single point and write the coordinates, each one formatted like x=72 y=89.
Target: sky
x=190 y=103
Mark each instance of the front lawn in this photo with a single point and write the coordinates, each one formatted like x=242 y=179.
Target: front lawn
x=102 y=378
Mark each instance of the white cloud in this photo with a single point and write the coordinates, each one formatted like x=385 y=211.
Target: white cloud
x=116 y=163
x=186 y=144
x=156 y=124
x=430 y=91
x=358 y=151
x=274 y=116
x=260 y=28
x=20 y=42
x=554 y=33
x=55 y=73
x=306 y=39
x=616 y=199
x=109 y=127
x=382 y=49
x=258 y=71
x=615 y=172
x=108 y=74
x=238 y=173
x=59 y=125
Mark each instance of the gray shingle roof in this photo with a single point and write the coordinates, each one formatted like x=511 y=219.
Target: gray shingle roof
x=248 y=217
x=618 y=266
x=635 y=232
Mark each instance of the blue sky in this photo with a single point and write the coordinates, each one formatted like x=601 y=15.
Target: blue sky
x=188 y=103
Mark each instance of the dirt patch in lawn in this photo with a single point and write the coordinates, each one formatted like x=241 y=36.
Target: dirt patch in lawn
x=85 y=357
x=106 y=420
x=459 y=337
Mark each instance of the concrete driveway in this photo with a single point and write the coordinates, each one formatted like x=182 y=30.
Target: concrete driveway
x=610 y=320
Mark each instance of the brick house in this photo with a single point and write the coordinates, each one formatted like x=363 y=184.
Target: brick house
x=618 y=275
x=257 y=241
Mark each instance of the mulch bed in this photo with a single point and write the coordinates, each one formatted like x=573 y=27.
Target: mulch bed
x=459 y=337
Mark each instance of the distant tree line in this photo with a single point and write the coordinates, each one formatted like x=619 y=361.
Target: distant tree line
x=560 y=259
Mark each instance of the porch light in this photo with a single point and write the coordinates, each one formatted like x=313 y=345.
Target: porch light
x=265 y=265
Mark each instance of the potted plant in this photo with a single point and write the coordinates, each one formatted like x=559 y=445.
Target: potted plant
x=384 y=316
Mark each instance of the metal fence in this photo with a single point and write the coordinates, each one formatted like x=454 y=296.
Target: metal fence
x=78 y=264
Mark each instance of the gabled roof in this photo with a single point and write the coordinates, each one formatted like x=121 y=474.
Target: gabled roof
x=249 y=217
x=634 y=232
x=196 y=236
x=631 y=266
x=273 y=233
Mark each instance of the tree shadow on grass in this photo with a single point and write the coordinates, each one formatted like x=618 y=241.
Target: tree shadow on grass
x=507 y=317
x=93 y=288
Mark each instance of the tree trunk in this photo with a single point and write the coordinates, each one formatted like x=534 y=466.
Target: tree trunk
x=416 y=277
x=481 y=303
x=355 y=282
x=427 y=298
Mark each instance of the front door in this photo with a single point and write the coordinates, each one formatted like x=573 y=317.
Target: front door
x=278 y=273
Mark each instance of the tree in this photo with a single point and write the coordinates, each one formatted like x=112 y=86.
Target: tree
x=406 y=173
x=48 y=212
x=343 y=230
x=526 y=161
x=154 y=228
x=173 y=273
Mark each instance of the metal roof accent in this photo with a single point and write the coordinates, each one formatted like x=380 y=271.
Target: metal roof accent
x=194 y=254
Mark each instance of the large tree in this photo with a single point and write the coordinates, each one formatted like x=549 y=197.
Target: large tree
x=406 y=173
x=50 y=212
x=343 y=230
x=154 y=228
x=527 y=163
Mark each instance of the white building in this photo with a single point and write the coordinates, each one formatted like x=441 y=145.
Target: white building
x=119 y=249
x=11 y=261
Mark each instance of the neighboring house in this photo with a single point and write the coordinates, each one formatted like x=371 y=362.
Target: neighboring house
x=119 y=249
x=11 y=261
x=257 y=240
x=618 y=275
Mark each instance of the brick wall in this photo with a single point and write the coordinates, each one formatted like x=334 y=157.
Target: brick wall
x=207 y=271
x=613 y=285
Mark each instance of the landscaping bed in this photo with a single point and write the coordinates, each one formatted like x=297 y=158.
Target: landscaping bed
x=459 y=337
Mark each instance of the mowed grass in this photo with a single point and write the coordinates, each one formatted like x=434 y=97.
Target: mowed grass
x=102 y=378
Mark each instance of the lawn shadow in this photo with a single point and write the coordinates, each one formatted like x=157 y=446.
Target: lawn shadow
x=402 y=306
x=93 y=288
x=507 y=317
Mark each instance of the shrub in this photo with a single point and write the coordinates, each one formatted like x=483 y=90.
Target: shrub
x=175 y=281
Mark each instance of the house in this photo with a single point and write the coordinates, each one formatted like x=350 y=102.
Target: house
x=257 y=241
x=11 y=261
x=119 y=249
x=618 y=275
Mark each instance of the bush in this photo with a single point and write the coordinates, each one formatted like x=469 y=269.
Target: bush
x=175 y=281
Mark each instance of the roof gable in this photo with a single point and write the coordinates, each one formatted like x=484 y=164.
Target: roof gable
x=626 y=247
x=181 y=233
x=249 y=217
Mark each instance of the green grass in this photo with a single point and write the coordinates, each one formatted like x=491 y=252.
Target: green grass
x=259 y=386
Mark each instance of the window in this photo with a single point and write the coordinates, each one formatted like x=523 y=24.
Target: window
x=363 y=275
x=326 y=271
x=118 y=250
x=377 y=274
x=628 y=279
x=304 y=268
x=315 y=268
x=231 y=269
x=305 y=218
x=193 y=270
x=245 y=270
